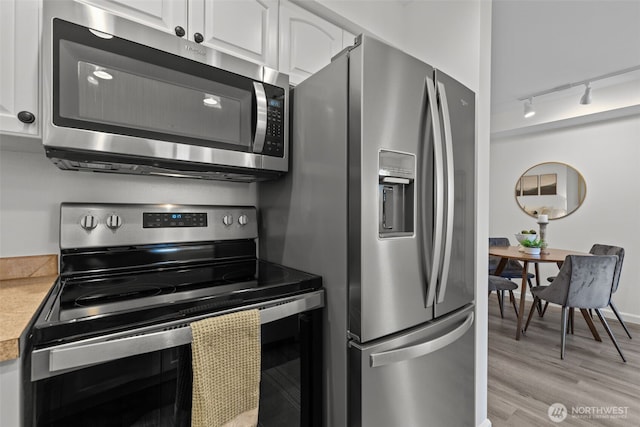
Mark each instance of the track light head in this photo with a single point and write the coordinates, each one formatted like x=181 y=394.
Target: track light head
x=586 y=97
x=529 y=111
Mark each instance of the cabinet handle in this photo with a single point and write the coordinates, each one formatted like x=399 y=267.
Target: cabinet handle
x=26 y=117
x=179 y=31
x=198 y=38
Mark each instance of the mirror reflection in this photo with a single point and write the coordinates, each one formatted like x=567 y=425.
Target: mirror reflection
x=551 y=188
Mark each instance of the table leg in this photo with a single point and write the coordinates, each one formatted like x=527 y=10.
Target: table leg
x=592 y=327
x=571 y=316
x=501 y=265
x=523 y=293
x=537 y=269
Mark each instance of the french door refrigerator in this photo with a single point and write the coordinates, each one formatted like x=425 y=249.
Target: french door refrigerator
x=379 y=200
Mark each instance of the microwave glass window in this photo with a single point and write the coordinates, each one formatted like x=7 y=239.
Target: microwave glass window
x=130 y=95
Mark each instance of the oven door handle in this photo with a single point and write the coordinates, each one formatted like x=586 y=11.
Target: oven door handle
x=69 y=357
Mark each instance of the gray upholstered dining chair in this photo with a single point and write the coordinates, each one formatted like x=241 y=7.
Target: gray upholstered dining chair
x=599 y=249
x=513 y=269
x=499 y=285
x=584 y=282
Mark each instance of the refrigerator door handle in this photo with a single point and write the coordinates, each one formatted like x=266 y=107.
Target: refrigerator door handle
x=450 y=191
x=436 y=244
x=422 y=349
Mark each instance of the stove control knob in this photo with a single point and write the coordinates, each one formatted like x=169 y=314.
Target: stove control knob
x=243 y=220
x=114 y=221
x=227 y=220
x=88 y=222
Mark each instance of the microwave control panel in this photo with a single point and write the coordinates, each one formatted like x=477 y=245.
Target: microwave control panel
x=274 y=139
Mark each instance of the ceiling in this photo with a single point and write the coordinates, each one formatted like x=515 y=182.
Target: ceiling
x=541 y=44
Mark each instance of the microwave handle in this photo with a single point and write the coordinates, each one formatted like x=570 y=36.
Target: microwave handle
x=261 y=117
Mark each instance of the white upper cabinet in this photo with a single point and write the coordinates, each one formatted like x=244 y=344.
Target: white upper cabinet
x=307 y=42
x=274 y=33
x=19 y=42
x=244 y=28
x=164 y=15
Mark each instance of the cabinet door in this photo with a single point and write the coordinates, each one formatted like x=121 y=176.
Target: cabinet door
x=164 y=15
x=307 y=42
x=19 y=42
x=244 y=28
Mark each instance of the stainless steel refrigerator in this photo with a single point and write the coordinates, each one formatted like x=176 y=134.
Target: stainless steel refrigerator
x=380 y=201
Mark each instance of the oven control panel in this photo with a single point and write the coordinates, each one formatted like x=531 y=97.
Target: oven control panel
x=86 y=225
x=174 y=219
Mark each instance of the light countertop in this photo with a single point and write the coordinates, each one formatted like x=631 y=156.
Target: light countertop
x=24 y=283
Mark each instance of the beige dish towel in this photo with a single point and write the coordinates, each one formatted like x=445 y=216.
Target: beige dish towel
x=226 y=370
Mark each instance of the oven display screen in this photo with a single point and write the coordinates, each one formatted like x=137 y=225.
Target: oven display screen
x=173 y=219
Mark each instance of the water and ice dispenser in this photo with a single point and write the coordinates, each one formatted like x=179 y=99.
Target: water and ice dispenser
x=396 y=193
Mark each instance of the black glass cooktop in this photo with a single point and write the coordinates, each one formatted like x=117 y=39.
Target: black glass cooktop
x=81 y=307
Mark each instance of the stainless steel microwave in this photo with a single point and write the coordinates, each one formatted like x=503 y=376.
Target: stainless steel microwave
x=125 y=98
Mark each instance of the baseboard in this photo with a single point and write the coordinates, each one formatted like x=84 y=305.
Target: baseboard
x=607 y=312
x=485 y=423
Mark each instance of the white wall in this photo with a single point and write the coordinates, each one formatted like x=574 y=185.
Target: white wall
x=444 y=34
x=385 y=19
x=32 y=188
x=447 y=35
x=483 y=120
x=607 y=154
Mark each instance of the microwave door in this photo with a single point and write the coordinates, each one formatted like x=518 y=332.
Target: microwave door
x=261 y=117
x=142 y=102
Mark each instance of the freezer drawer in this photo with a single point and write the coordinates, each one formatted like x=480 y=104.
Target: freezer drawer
x=423 y=377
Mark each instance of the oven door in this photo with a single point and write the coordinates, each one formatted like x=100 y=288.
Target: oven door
x=143 y=377
x=115 y=87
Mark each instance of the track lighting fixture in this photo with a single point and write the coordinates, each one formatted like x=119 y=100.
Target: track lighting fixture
x=586 y=97
x=529 y=111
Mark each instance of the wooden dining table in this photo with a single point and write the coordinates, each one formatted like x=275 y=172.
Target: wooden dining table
x=547 y=255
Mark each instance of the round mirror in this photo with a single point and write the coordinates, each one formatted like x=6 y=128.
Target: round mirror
x=552 y=189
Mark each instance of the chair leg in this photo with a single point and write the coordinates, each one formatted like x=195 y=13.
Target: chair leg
x=500 y=303
x=512 y=298
x=571 y=317
x=539 y=306
x=544 y=310
x=615 y=311
x=526 y=325
x=563 y=333
x=606 y=327
x=592 y=327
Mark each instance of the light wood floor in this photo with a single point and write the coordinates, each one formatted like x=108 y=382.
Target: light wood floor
x=527 y=376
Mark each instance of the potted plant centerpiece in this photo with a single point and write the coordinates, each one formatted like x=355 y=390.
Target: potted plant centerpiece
x=532 y=247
